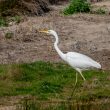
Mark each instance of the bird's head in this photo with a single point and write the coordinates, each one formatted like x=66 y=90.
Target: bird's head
x=52 y=32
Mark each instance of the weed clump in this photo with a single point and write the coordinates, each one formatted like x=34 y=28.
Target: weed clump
x=9 y=35
x=77 y=6
x=17 y=19
x=101 y=11
x=3 y=22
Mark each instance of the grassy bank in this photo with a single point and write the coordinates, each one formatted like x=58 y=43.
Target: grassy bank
x=47 y=80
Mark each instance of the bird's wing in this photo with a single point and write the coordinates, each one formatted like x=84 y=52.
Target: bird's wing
x=77 y=55
x=81 y=61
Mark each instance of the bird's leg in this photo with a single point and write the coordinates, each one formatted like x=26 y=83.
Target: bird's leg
x=74 y=87
x=81 y=74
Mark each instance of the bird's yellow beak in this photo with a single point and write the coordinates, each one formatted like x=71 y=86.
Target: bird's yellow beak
x=44 y=31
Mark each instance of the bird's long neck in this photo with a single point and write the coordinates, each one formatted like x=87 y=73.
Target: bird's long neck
x=62 y=55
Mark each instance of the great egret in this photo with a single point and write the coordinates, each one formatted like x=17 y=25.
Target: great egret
x=78 y=61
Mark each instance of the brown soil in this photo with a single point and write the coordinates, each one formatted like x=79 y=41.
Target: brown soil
x=85 y=33
x=23 y=7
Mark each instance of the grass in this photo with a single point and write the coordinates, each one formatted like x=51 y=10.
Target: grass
x=47 y=80
x=101 y=10
x=77 y=6
x=3 y=22
x=27 y=104
x=17 y=19
x=9 y=35
x=82 y=6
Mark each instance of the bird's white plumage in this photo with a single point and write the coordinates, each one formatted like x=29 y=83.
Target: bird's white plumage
x=78 y=61
x=83 y=62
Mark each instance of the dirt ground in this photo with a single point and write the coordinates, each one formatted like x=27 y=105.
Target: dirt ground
x=85 y=33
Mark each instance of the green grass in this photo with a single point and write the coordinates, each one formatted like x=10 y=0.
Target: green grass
x=101 y=10
x=47 y=80
x=77 y=6
x=3 y=22
x=16 y=18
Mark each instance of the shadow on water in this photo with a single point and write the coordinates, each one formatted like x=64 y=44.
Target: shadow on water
x=27 y=104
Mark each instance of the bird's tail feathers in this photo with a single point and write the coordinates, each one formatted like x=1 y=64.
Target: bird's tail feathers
x=98 y=65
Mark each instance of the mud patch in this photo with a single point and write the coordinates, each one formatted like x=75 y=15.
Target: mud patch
x=23 y=7
x=85 y=33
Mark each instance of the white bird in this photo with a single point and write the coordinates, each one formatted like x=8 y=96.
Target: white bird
x=78 y=61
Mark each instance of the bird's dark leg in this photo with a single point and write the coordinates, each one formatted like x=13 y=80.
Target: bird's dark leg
x=74 y=87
